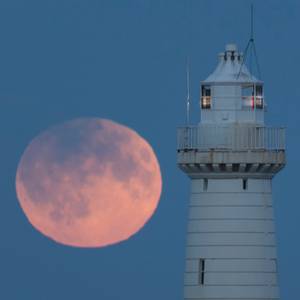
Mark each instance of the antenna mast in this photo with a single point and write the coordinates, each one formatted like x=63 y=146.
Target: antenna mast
x=252 y=23
x=188 y=91
x=251 y=47
x=188 y=36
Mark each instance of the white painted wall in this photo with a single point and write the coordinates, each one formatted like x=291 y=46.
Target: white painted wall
x=233 y=230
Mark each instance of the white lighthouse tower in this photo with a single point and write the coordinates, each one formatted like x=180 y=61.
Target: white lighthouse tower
x=231 y=158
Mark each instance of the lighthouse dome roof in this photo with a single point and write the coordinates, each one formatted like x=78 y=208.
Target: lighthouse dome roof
x=231 y=69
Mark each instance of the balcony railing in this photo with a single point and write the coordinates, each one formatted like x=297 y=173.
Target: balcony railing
x=235 y=137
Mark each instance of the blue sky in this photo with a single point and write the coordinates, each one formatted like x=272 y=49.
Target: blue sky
x=125 y=60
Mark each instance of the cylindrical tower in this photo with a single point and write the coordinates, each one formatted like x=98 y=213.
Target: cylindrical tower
x=231 y=158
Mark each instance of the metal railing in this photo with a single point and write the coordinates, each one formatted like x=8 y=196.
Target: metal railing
x=235 y=137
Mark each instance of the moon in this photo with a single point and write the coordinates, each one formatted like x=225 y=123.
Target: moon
x=88 y=182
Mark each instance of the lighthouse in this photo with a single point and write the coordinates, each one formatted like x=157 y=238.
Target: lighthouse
x=231 y=157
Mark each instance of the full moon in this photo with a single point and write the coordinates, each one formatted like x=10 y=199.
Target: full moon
x=88 y=182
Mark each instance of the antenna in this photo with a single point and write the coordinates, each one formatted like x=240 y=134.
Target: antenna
x=252 y=22
x=251 y=46
x=188 y=37
x=188 y=91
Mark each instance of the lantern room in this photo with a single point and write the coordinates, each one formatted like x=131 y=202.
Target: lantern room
x=231 y=94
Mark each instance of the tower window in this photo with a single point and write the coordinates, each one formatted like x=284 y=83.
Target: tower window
x=259 y=90
x=206 y=102
x=206 y=97
x=259 y=100
x=245 y=184
x=252 y=96
x=205 y=184
x=201 y=271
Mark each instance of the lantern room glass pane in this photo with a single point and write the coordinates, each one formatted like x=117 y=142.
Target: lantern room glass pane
x=206 y=102
x=206 y=97
x=252 y=97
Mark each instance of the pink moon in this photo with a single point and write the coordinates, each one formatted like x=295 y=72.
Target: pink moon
x=88 y=182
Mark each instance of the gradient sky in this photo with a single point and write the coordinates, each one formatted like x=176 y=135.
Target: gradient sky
x=125 y=60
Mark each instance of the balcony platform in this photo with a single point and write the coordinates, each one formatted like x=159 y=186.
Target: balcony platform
x=232 y=151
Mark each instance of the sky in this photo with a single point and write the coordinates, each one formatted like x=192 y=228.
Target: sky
x=125 y=60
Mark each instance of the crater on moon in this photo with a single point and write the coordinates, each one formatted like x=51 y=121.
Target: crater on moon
x=88 y=182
